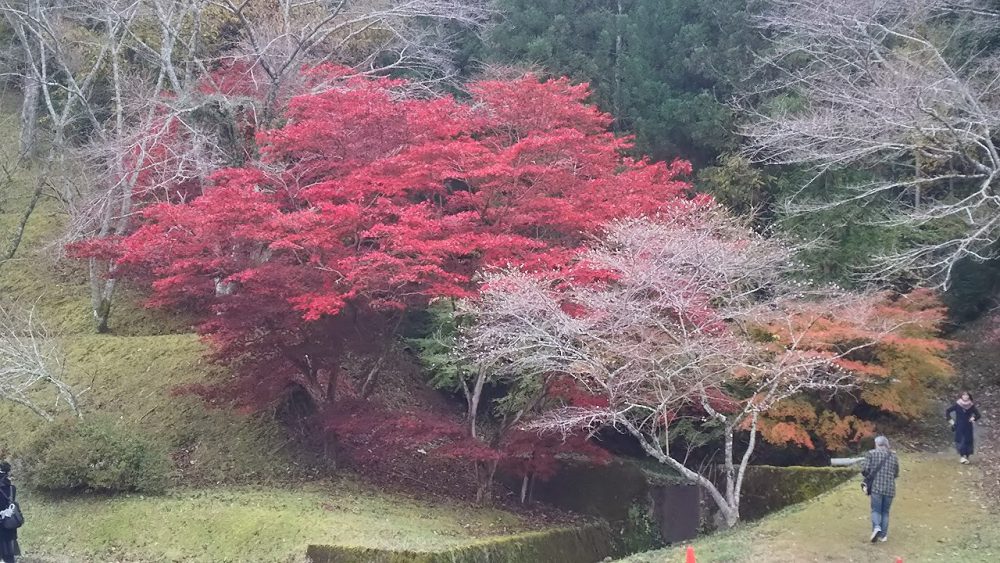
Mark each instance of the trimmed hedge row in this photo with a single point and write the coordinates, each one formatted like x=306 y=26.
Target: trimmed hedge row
x=765 y=490
x=585 y=544
x=768 y=488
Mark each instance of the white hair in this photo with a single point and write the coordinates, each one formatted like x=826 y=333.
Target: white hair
x=881 y=442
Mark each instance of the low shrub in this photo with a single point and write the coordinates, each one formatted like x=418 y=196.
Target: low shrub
x=767 y=488
x=584 y=544
x=96 y=454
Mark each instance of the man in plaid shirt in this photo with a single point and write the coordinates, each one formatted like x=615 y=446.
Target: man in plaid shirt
x=883 y=465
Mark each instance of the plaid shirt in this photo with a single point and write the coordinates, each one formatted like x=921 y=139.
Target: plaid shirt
x=884 y=482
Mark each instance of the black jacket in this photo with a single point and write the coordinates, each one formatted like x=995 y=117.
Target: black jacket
x=963 y=418
x=8 y=493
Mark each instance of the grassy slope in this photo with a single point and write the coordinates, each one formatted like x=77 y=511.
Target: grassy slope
x=249 y=524
x=130 y=374
x=938 y=516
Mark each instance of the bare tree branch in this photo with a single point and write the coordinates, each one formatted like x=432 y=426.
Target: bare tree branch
x=886 y=87
x=31 y=364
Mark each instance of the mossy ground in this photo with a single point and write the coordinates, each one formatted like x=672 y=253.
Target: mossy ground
x=938 y=516
x=243 y=523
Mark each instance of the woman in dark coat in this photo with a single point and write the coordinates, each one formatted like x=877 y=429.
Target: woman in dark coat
x=9 y=550
x=965 y=413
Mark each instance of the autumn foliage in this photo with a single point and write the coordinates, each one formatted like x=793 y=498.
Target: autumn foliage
x=380 y=439
x=368 y=202
x=899 y=371
x=700 y=331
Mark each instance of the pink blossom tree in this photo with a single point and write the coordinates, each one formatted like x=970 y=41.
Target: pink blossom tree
x=668 y=319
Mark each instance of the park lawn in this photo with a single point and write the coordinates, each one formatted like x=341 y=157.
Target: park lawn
x=938 y=516
x=243 y=523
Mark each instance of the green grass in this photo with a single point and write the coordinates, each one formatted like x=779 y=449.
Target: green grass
x=938 y=515
x=249 y=523
x=135 y=378
x=133 y=372
x=59 y=290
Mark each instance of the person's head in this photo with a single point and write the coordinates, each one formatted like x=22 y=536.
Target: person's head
x=966 y=397
x=4 y=469
x=882 y=442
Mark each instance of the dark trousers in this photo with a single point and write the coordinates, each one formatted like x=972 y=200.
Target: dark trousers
x=880 y=512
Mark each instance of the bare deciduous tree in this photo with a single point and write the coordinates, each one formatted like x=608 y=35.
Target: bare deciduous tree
x=31 y=364
x=373 y=36
x=897 y=88
x=678 y=334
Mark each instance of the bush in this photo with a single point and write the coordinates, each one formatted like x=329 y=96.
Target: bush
x=767 y=488
x=96 y=454
x=590 y=542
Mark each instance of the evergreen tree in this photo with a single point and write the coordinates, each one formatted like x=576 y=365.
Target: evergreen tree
x=663 y=68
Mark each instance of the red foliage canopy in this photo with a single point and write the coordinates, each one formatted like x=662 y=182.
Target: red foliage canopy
x=367 y=202
x=376 y=437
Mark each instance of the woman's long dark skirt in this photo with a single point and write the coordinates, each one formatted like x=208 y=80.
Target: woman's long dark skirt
x=964 y=440
x=9 y=550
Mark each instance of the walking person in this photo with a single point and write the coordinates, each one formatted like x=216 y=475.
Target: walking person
x=880 y=470
x=965 y=413
x=9 y=550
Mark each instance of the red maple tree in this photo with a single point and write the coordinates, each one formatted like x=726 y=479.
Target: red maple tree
x=368 y=202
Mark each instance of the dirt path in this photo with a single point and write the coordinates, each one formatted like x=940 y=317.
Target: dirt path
x=940 y=515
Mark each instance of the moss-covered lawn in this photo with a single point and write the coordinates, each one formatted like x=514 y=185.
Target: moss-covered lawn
x=938 y=516
x=247 y=524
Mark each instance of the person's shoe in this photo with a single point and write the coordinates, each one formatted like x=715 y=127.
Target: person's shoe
x=883 y=537
x=875 y=534
x=964 y=460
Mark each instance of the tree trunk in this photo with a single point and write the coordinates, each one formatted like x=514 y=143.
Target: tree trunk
x=474 y=399
x=373 y=374
x=485 y=472
x=730 y=470
x=102 y=290
x=728 y=505
x=31 y=89
x=29 y=115
x=527 y=487
x=15 y=240
x=369 y=384
x=320 y=384
x=617 y=96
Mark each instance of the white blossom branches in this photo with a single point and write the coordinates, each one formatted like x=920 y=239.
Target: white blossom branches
x=671 y=322
x=31 y=364
x=902 y=90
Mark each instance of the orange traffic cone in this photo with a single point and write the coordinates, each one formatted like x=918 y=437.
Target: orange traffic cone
x=690 y=555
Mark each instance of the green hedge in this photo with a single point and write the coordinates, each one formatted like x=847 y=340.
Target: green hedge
x=767 y=488
x=586 y=544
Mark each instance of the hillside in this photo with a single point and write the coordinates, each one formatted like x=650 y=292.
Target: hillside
x=131 y=373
